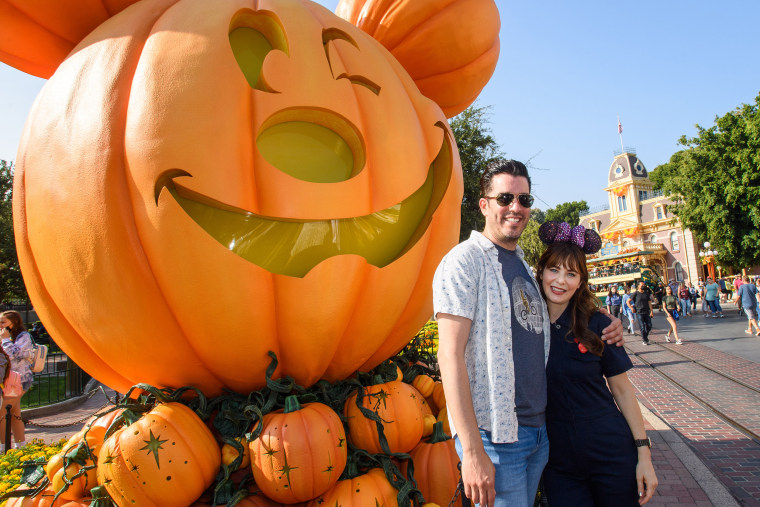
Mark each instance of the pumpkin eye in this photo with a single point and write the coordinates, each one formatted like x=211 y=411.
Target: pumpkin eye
x=252 y=36
x=332 y=34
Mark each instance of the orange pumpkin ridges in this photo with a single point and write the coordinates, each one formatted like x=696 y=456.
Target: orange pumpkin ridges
x=435 y=467
x=398 y=407
x=428 y=38
x=424 y=384
x=167 y=457
x=369 y=489
x=300 y=453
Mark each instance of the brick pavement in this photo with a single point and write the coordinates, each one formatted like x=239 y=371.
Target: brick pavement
x=732 y=456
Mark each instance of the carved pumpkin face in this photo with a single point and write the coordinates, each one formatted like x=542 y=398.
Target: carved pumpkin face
x=202 y=182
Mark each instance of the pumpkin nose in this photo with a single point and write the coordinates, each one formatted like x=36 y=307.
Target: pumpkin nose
x=314 y=146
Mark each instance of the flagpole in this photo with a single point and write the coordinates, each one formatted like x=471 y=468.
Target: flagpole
x=620 y=133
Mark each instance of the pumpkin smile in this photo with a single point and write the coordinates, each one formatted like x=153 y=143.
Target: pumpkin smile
x=293 y=247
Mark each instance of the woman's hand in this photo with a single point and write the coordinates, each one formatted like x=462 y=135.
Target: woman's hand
x=478 y=477
x=5 y=333
x=646 y=479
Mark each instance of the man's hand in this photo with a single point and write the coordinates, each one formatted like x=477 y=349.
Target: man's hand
x=478 y=477
x=614 y=332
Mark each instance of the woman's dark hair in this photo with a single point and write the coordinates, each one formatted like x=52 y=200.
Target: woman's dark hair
x=583 y=304
x=502 y=166
x=18 y=323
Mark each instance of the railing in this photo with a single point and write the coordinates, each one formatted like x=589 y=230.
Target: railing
x=595 y=209
x=654 y=194
x=60 y=380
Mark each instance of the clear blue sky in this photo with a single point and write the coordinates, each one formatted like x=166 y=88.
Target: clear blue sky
x=567 y=70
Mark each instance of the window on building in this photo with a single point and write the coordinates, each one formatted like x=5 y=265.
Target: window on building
x=658 y=212
x=678 y=271
x=593 y=225
x=674 y=244
x=626 y=243
x=622 y=206
x=642 y=195
x=652 y=238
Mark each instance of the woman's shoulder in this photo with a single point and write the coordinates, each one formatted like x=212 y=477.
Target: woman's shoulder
x=598 y=321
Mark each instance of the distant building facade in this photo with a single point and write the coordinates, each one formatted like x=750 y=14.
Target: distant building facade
x=637 y=227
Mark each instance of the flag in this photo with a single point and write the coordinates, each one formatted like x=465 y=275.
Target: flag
x=620 y=127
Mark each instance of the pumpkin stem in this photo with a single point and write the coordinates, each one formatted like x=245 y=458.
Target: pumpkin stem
x=438 y=434
x=292 y=404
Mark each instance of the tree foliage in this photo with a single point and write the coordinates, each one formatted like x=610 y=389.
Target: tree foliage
x=567 y=212
x=477 y=149
x=11 y=284
x=715 y=183
x=530 y=243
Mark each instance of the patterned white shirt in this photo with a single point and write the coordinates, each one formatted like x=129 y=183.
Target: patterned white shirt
x=469 y=283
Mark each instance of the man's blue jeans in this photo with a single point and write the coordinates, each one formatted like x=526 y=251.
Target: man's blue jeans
x=518 y=465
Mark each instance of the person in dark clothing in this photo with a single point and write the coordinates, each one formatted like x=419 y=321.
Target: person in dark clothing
x=599 y=453
x=641 y=306
x=659 y=292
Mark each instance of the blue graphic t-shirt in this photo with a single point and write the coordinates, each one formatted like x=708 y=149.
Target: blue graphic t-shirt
x=614 y=299
x=527 y=340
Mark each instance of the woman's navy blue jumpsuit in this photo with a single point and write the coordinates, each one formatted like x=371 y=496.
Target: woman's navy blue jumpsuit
x=592 y=457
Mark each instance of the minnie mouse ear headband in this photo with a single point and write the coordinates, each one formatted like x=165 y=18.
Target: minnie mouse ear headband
x=561 y=232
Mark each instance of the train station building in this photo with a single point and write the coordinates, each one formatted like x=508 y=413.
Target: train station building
x=640 y=234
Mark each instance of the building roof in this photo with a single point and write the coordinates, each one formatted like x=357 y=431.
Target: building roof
x=627 y=166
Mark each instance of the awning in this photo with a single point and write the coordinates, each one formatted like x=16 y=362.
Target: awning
x=620 y=256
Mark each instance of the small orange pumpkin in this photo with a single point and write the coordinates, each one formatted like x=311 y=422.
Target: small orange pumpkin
x=443 y=417
x=365 y=490
x=439 y=396
x=80 y=482
x=449 y=47
x=429 y=420
x=230 y=454
x=45 y=499
x=167 y=457
x=300 y=453
x=397 y=404
x=424 y=384
x=435 y=467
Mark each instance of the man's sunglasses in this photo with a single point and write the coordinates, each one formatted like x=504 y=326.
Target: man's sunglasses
x=505 y=199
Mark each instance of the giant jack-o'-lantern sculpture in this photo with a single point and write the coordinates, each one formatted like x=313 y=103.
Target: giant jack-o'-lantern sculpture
x=202 y=182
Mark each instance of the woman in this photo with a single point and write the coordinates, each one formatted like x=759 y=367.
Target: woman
x=19 y=347
x=684 y=298
x=614 y=300
x=712 y=297
x=599 y=455
x=670 y=305
x=626 y=310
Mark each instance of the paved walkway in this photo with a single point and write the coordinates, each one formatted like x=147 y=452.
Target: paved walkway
x=699 y=457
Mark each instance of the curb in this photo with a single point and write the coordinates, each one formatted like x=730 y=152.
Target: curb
x=710 y=484
x=59 y=407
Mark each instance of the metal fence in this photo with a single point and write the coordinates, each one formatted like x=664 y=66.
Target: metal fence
x=60 y=380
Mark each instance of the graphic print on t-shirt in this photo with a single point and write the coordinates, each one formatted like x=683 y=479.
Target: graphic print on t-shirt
x=527 y=306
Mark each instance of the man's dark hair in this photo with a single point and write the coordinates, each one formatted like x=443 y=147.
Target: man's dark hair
x=502 y=166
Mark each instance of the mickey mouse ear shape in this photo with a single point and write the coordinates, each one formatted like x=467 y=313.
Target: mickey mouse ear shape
x=548 y=231
x=592 y=243
x=450 y=49
x=39 y=35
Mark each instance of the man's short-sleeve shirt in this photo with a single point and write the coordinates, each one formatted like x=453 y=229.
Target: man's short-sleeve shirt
x=469 y=283
x=748 y=295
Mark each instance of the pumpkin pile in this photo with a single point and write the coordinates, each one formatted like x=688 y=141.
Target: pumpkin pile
x=371 y=437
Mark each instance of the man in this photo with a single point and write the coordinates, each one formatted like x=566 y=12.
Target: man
x=493 y=329
x=749 y=297
x=640 y=304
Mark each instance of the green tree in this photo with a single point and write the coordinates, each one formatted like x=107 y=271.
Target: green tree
x=477 y=149
x=715 y=183
x=531 y=245
x=11 y=283
x=567 y=212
